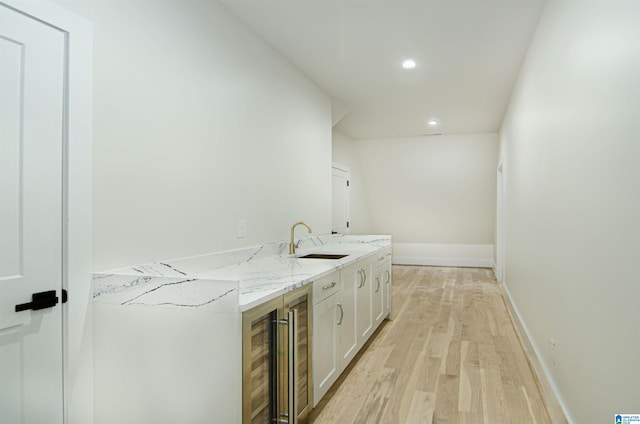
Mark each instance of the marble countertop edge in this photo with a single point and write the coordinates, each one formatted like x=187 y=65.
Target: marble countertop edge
x=258 y=273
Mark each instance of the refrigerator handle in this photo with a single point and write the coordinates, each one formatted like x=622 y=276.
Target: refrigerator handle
x=281 y=416
x=293 y=359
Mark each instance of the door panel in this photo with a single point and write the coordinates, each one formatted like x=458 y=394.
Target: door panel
x=378 y=293
x=10 y=166
x=11 y=228
x=325 y=346
x=261 y=366
x=32 y=58
x=302 y=360
x=260 y=356
x=347 y=331
x=364 y=302
x=387 y=289
x=298 y=300
x=340 y=201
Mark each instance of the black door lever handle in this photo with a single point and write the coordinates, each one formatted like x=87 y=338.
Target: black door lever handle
x=42 y=300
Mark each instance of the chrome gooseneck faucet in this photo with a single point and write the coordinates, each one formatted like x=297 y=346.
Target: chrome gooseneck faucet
x=292 y=245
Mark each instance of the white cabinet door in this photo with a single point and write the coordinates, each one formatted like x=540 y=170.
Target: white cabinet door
x=364 y=297
x=386 y=281
x=378 y=293
x=31 y=144
x=343 y=317
x=326 y=368
x=382 y=289
x=347 y=330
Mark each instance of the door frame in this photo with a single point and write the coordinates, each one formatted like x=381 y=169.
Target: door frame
x=77 y=331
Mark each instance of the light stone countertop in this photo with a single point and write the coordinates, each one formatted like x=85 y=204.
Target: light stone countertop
x=240 y=279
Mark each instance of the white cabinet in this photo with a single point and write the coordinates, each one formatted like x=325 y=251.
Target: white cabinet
x=363 y=302
x=382 y=286
x=326 y=366
x=335 y=331
x=386 y=281
x=347 y=308
x=378 y=293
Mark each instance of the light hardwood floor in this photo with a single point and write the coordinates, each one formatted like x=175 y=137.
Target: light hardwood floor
x=451 y=355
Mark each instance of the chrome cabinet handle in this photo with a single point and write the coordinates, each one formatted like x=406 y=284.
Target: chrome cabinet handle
x=363 y=278
x=341 y=314
x=329 y=286
x=388 y=275
x=378 y=286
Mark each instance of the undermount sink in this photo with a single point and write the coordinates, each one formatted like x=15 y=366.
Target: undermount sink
x=323 y=256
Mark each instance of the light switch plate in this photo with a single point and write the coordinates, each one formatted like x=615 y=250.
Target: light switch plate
x=241 y=229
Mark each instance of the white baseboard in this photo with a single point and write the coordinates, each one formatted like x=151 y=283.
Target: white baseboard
x=555 y=406
x=463 y=255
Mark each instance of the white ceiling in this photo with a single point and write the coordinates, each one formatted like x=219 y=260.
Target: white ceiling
x=468 y=54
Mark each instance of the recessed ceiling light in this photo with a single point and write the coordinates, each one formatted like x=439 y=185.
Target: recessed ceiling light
x=433 y=122
x=409 y=64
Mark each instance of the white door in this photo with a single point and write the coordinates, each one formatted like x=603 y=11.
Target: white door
x=32 y=58
x=340 y=200
x=500 y=227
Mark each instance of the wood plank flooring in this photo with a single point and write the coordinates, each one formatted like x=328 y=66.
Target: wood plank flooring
x=451 y=355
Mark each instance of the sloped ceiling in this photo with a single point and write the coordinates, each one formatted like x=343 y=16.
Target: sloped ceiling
x=468 y=55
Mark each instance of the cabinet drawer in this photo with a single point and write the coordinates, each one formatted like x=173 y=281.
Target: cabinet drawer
x=383 y=255
x=326 y=286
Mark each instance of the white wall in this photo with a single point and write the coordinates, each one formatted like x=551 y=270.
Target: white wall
x=344 y=153
x=435 y=195
x=570 y=149
x=198 y=124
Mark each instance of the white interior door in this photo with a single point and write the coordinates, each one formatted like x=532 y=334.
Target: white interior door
x=32 y=58
x=340 y=200
x=500 y=227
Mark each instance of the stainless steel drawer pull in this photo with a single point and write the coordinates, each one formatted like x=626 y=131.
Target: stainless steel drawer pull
x=378 y=285
x=329 y=286
x=341 y=313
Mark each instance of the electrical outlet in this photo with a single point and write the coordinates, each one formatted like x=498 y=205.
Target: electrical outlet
x=552 y=350
x=241 y=229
